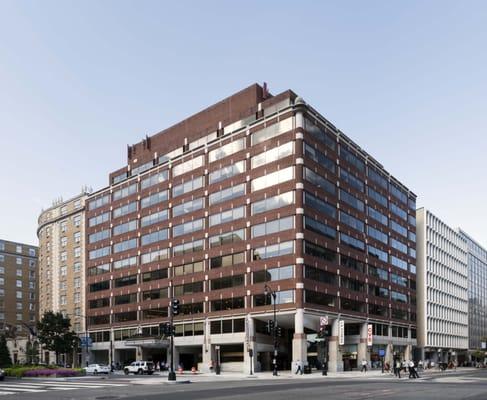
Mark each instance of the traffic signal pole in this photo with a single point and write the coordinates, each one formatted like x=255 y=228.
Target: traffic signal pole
x=173 y=310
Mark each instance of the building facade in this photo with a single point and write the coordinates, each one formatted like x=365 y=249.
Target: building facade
x=256 y=190
x=442 y=290
x=18 y=288
x=477 y=293
x=61 y=233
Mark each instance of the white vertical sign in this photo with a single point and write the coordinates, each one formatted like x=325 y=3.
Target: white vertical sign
x=341 y=332
x=369 y=335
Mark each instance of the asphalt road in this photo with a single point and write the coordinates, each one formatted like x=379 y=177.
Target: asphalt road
x=454 y=386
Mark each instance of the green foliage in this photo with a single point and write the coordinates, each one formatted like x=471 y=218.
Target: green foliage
x=5 y=360
x=53 y=331
x=29 y=370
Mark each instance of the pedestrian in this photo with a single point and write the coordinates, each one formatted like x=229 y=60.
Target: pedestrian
x=398 y=368
x=364 y=365
x=420 y=365
x=410 y=364
x=299 y=369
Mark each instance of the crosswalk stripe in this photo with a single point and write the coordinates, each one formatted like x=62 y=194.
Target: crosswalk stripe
x=2 y=393
x=79 y=383
x=21 y=389
x=74 y=385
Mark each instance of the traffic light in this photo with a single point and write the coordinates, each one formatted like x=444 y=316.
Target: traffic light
x=278 y=331
x=165 y=328
x=175 y=306
x=270 y=326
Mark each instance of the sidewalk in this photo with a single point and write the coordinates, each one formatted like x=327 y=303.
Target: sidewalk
x=161 y=377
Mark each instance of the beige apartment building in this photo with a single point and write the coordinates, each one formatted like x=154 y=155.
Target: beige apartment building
x=61 y=233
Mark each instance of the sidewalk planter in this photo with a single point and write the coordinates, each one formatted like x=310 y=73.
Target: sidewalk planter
x=34 y=372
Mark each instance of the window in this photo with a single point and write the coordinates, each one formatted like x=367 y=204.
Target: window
x=320 y=228
x=351 y=158
x=319 y=132
x=125 y=299
x=190 y=268
x=188 y=166
x=319 y=205
x=18 y=283
x=319 y=298
x=18 y=260
x=155 y=294
x=400 y=246
x=227 y=304
x=377 y=178
x=227 y=238
x=399 y=280
x=32 y=252
x=188 y=186
x=188 y=288
x=400 y=297
x=154 y=237
x=188 y=207
x=352 y=180
x=275 y=250
x=125 y=245
x=154 y=275
x=377 y=215
x=273 y=178
x=227 y=260
x=77 y=237
x=125 y=209
x=282 y=297
x=319 y=275
x=319 y=181
x=227 y=172
x=125 y=281
x=352 y=242
x=318 y=157
x=397 y=262
x=273 y=274
x=154 y=179
x=227 y=194
x=272 y=155
x=125 y=263
x=352 y=263
x=351 y=221
x=153 y=256
x=319 y=251
x=227 y=216
x=399 y=228
x=377 y=234
x=18 y=294
x=153 y=199
x=77 y=282
x=382 y=200
x=99 y=269
x=227 y=282
x=64 y=226
x=102 y=252
x=63 y=256
x=97 y=203
x=197 y=245
x=64 y=241
x=124 y=228
x=77 y=251
x=77 y=297
x=271 y=203
x=152 y=218
x=188 y=227
x=277 y=225
x=124 y=192
x=18 y=272
x=272 y=131
x=226 y=150
x=398 y=211
x=351 y=200
x=398 y=193
x=142 y=167
x=99 y=219
x=377 y=253
x=63 y=271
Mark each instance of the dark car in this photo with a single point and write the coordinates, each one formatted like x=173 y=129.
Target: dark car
x=2 y=374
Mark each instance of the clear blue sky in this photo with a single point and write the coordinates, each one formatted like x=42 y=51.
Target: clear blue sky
x=80 y=80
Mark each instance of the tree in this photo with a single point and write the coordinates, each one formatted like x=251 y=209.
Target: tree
x=5 y=360
x=53 y=331
x=32 y=352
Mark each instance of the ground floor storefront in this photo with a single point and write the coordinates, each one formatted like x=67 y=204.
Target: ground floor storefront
x=243 y=343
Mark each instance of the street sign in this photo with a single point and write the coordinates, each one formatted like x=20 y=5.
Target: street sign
x=382 y=352
x=86 y=341
x=341 y=332
x=483 y=345
x=324 y=320
x=369 y=335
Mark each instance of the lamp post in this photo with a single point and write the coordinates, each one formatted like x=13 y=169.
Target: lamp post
x=267 y=291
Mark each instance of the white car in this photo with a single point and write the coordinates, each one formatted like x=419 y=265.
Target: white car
x=96 y=369
x=140 y=367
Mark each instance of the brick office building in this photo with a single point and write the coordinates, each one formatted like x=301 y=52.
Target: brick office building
x=257 y=189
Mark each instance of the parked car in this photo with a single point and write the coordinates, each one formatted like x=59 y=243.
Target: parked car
x=140 y=367
x=96 y=369
x=2 y=374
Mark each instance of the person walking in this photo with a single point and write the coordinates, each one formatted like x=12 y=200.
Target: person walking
x=410 y=365
x=299 y=369
x=398 y=368
x=364 y=365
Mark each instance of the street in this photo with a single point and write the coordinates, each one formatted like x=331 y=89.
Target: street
x=470 y=385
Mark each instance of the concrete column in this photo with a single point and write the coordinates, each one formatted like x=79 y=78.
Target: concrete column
x=138 y=353
x=300 y=348
x=362 y=353
x=335 y=363
x=207 y=360
x=389 y=357
x=250 y=343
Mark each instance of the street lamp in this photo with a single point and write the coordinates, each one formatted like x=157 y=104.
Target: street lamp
x=267 y=291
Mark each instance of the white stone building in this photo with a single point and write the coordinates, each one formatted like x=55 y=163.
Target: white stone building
x=442 y=289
